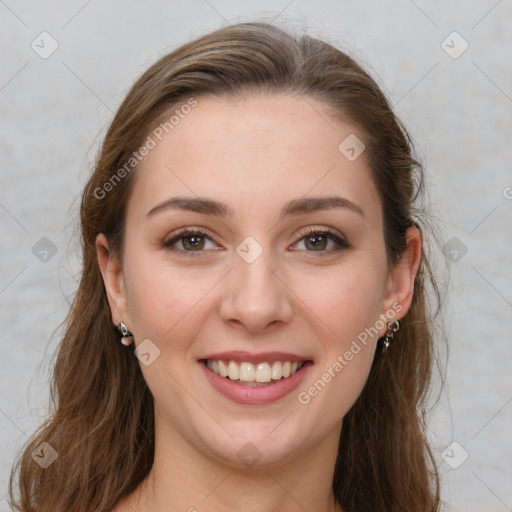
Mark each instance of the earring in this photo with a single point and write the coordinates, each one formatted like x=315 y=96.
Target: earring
x=127 y=338
x=392 y=328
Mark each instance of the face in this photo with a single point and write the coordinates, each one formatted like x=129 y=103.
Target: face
x=273 y=254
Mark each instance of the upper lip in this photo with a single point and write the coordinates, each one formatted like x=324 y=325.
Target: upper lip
x=248 y=357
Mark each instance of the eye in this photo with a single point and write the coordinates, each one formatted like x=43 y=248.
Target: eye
x=321 y=240
x=189 y=240
x=192 y=241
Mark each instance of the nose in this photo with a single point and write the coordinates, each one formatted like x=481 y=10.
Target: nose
x=255 y=298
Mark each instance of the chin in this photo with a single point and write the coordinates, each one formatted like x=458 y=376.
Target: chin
x=255 y=446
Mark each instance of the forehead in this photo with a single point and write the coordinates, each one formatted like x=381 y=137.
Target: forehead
x=257 y=151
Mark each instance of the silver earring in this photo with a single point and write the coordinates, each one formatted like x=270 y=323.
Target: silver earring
x=392 y=328
x=127 y=338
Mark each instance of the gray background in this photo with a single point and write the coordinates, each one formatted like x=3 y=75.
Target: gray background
x=55 y=111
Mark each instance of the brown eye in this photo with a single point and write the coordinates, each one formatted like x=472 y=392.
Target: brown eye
x=193 y=242
x=189 y=242
x=321 y=241
x=316 y=242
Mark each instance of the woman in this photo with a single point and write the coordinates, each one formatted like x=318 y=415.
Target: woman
x=250 y=330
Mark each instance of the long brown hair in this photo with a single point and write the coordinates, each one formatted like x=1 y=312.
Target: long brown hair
x=101 y=421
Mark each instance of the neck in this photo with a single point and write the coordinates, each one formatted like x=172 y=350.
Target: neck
x=183 y=478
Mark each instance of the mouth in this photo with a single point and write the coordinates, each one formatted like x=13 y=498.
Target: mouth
x=254 y=375
x=257 y=382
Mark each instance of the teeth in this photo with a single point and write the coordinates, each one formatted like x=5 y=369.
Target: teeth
x=277 y=370
x=248 y=372
x=233 y=372
x=262 y=373
x=223 y=370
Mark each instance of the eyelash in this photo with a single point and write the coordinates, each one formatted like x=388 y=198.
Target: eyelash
x=339 y=241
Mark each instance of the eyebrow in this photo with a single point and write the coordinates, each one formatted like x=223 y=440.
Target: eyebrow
x=207 y=206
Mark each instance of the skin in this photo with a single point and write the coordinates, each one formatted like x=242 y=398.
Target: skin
x=254 y=154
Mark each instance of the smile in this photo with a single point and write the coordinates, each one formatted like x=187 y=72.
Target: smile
x=251 y=379
x=248 y=373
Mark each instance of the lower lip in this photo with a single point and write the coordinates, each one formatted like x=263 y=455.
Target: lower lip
x=255 y=395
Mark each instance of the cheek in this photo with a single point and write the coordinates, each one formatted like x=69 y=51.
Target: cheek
x=163 y=299
x=346 y=299
x=346 y=303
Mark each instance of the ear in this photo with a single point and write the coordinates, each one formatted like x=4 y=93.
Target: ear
x=113 y=279
x=400 y=284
